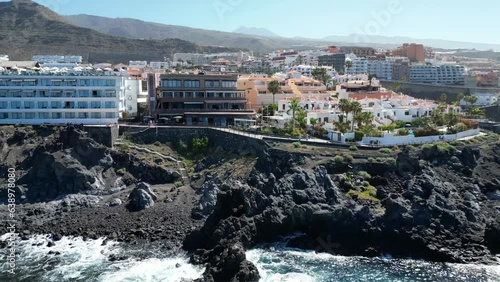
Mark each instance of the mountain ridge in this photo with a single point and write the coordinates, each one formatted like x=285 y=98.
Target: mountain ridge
x=28 y=28
x=253 y=38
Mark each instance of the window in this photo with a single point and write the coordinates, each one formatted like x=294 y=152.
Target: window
x=407 y=113
x=29 y=115
x=228 y=84
x=110 y=115
x=56 y=115
x=212 y=83
x=95 y=115
x=95 y=105
x=55 y=105
x=192 y=83
x=69 y=115
x=172 y=83
x=3 y=105
x=4 y=115
x=109 y=105
x=15 y=105
x=44 y=115
x=83 y=105
x=83 y=115
x=29 y=105
x=17 y=115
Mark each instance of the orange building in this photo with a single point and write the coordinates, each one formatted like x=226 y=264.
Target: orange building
x=487 y=79
x=414 y=52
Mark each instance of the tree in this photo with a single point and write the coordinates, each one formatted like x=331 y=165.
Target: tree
x=294 y=108
x=270 y=109
x=345 y=106
x=355 y=108
x=470 y=100
x=274 y=87
x=395 y=86
x=452 y=118
x=460 y=97
x=443 y=98
x=341 y=125
x=364 y=119
x=348 y=66
x=321 y=75
x=313 y=121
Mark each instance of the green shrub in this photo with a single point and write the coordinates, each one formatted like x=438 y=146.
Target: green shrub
x=124 y=146
x=456 y=143
x=121 y=171
x=411 y=148
x=353 y=148
x=426 y=132
x=403 y=132
x=401 y=123
x=157 y=143
x=200 y=145
x=296 y=145
x=338 y=159
x=358 y=135
x=348 y=158
x=390 y=127
x=391 y=162
x=350 y=140
x=182 y=147
x=386 y=151
x=365 y=175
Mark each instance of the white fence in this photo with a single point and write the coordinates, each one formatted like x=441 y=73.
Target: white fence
x=391 y=140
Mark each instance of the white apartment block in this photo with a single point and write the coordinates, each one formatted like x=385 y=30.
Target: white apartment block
x=57 y=59
x=382 y=69
x=87 y=97
x=443 y=74
x=359 y=65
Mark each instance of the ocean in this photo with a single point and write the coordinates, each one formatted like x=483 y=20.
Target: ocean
x=73 y=259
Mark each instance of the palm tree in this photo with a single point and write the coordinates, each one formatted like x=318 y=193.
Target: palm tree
x=274 y=87
x=341 y=125
x=364 y=118
x=345 y=106
x=355 y=108
x=348 y=65
x=294 y=108
x=460 y=97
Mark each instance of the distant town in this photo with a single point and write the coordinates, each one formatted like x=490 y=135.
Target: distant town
x=340 y=93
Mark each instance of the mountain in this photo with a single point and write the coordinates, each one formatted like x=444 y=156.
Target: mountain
x=398 y=40
x=133 y=28
x=259 y=31
x=28 y=28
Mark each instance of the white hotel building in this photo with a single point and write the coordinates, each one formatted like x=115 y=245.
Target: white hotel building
x=90 y=97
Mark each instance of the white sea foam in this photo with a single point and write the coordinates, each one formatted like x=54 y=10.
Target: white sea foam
x=152 y=270
x=73 y=259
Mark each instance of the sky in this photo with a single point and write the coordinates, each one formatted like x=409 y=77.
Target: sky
x=460 y=20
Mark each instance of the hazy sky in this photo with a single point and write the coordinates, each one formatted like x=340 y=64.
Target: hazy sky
x=462 y=20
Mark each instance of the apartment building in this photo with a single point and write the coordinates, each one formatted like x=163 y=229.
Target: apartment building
x=43 y=96
x=358 y=51
x=359 y=65
x=201 y=99
x=487 y=79
x=337 y=61
x=381 y=69
x=292 y=84
x=414 y=52
x=443 y=74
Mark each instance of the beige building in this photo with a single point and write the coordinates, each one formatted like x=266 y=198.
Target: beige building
x=292 y=85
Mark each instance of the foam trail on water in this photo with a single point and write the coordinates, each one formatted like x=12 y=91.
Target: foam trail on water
x=75 y=259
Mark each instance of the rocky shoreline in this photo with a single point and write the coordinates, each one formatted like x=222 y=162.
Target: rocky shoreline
x=438 y=203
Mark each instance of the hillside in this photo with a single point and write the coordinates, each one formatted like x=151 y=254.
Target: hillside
x=136 y=29
x=27 y=29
